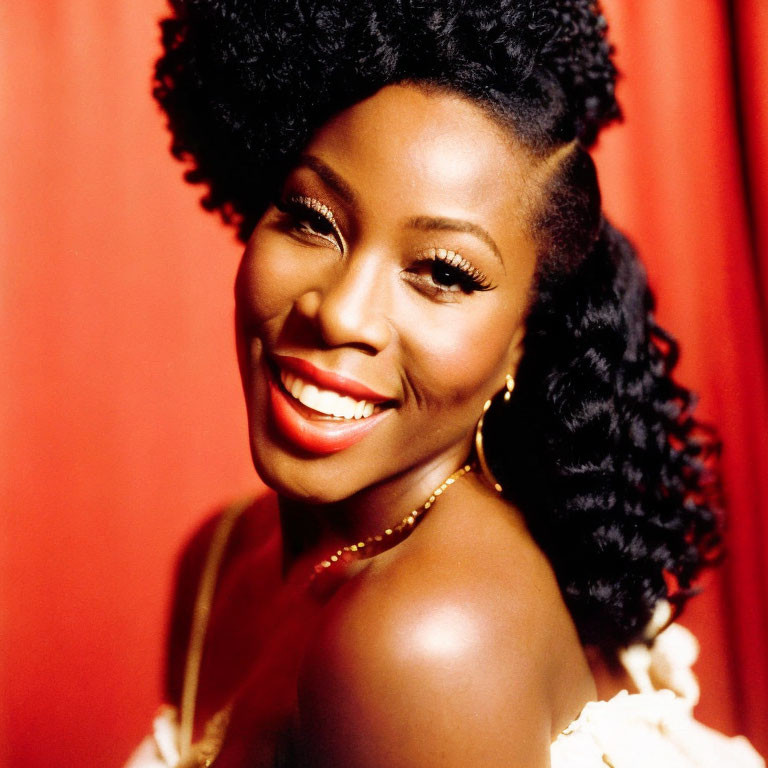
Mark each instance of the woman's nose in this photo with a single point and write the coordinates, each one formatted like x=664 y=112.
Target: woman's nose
x=348 y=307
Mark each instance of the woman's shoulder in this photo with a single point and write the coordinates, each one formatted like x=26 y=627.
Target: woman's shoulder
x=454 y=648
x=241 y=523
x=237 y=526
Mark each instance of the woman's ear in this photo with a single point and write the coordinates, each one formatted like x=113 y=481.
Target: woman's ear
x=515 y=350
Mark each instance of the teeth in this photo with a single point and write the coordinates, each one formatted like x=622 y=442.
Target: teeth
x=309 y=395
x=348 y=408
x=325 y=400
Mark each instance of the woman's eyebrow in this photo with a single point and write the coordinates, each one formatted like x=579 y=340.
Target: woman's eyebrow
x=429 y=223
x=330 y=177
x=424 y=223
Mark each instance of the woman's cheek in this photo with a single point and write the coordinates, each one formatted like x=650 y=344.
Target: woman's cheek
x=271 y=277
x=463 y=358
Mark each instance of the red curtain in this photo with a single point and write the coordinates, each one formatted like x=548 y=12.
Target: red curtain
x=686 y=176
x=121 y=415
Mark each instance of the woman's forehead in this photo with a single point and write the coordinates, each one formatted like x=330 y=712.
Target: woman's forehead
x=429 y=148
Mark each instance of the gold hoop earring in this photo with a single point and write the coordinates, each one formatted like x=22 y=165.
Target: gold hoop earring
x=509 y=385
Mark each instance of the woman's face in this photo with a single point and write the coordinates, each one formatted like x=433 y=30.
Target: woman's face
x=381 y=297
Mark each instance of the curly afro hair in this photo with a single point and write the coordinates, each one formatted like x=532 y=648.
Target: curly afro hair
x=244 y=84
x=598 y=446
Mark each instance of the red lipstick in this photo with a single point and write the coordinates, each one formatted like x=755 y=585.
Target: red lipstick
x=327 y=380
x=318 y=436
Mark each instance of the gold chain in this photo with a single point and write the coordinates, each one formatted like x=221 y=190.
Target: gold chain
x=381 y=541
x=205 y=751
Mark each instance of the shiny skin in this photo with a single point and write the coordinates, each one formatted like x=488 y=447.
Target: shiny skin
x=454 y=647
x=371 y=313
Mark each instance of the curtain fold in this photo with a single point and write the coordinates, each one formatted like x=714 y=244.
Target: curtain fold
x=750 y=34
x=685 y=175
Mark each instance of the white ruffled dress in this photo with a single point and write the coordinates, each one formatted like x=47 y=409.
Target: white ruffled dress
x=654 y=728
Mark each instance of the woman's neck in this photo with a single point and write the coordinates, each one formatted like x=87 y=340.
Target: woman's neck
x=313 y=531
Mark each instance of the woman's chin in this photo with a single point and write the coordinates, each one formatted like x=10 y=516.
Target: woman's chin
x=298 y=479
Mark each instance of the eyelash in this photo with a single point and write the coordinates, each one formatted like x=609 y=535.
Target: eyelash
x=303 y=209
x=468 y=278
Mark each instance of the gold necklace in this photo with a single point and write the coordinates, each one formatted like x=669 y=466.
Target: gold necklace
x=205 y=751
x=381 y=541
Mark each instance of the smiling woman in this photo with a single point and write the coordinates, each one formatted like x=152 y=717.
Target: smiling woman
x=373 y=269
x=489 y=492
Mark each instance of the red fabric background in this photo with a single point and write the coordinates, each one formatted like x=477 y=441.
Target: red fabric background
x=121 y=416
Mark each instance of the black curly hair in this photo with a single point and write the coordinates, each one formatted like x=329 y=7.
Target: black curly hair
x=598 y=447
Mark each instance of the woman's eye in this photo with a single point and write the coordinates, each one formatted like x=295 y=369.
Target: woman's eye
x=315 y=222
x=448 y=276
x=308 y=216
x=441 y=273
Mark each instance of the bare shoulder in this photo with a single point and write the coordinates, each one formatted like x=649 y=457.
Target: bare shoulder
x=252 y=519
x=454 y=650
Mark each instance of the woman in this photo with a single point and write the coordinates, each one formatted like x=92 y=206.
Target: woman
x=488 y=488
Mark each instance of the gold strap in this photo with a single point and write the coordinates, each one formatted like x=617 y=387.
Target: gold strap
x=202 y=612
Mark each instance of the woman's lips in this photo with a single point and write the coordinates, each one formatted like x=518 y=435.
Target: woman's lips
x=328 y=380
x=321 y=435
